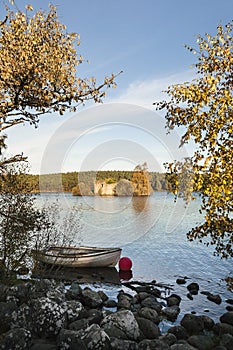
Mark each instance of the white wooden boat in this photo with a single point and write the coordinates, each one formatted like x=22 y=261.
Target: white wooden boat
x=78 y=256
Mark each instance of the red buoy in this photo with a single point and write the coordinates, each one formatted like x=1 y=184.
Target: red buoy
x=125 y=264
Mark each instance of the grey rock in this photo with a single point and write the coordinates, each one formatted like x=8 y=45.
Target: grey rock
x=208 y=322
x=171 y=312
x=3 y=292
x=124 y=302
x=94 y=316
x=7 y=311
x=110 y=303
x=125 y=321
x=214 y=298
x=227 y=341
x=16 y=338
x=20 y=293
x=102 y=295
x=223 y=328
x=229 y=301
x=79 y=324
x=117 y=344
x=44 y=344
x=149 y=313
x=50 y=317
x=192 y=323
x=229 y=308
x=179 y=332
x=40 y=288
x=181 y=281
x=184 y=346
x=152 y=303
x=168 y=338
x=96 y=338
x=91 y=298
x=73 y=309
x=173 y=299
x=149 y=329
x=143 y=295
x=201 y=342
x=227 y=318
x=75 y=291
x=193 y=288
x=154 y=344
x=71 y=340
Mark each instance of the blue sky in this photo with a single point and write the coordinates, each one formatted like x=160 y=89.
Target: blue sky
x=146 y=40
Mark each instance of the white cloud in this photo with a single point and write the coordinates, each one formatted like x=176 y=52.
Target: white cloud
x=145 y=92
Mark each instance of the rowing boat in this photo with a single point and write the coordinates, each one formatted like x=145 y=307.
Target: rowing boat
x=78 y=256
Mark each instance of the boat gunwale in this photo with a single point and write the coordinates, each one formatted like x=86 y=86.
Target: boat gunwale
x=77 y=255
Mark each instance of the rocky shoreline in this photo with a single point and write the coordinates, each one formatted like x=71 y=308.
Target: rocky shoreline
x=45 y=314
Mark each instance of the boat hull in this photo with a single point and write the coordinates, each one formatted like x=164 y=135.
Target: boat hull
x=79 y=257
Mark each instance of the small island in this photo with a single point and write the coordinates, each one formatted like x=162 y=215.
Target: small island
x=139 y=185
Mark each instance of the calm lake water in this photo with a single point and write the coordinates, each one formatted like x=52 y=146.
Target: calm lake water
x=152 y=232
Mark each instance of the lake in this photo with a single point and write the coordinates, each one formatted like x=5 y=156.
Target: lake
x=152 y=232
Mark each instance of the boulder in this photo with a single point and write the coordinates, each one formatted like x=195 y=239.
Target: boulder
x=182 y=346
x=7 y=315
x=124 y=301
x=117 y=344
x=192 y=323
x=227 y=318
x=193 y=288
x=73 y=309
x=19 y=293
x=91 y=298
x=74 y=292
x=124 y=321
x=148 y=328
x=102 y=295
x=171 y=312
x=168 y=338
x=152 y=303
x=214 y=298
x=180 y=280
x=173 y=299
x=154 y=344
x=79 y=324
x=69 y=339
x=208 y=322
x=201 y=342
x=96 y=338
x=179 y=332
x=50 y=317
x=149 y=313
x=45 y=344
x=16 y=338
x=223 y=328
x=227 y=341
x=110 y=303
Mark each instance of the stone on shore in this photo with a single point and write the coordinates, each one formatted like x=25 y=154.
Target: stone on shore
x=123 y=320
x=227 y=318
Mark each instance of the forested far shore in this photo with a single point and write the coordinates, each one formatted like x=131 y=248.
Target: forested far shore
x=65 y=182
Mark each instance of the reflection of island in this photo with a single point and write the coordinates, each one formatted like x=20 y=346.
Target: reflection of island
x=139 y=203
x=139 y=185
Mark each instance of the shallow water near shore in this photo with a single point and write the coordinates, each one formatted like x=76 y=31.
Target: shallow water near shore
x=152 y=232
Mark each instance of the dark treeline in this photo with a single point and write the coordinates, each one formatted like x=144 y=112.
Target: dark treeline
x=65 y=182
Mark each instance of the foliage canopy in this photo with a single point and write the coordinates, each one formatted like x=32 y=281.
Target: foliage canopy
x=204 y=108
x=38 y=70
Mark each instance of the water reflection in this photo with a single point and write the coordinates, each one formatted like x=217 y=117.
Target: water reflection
x=140 y=204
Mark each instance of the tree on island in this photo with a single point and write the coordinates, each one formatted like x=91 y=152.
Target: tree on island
x=38 y=71
x=204 y=107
